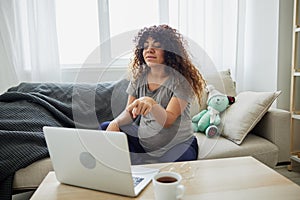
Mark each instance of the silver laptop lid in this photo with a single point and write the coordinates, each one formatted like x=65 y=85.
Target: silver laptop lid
x=90 y=158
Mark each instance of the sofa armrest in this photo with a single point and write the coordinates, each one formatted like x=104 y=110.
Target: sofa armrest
x=275 y=127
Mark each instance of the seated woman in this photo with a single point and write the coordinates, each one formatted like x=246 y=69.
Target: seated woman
x=163 y=84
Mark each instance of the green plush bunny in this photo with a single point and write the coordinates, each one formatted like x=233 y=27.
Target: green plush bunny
x=207 y=120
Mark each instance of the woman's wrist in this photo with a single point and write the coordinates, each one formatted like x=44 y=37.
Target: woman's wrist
x=153 y=102
x=114 y=123
x=150 y=100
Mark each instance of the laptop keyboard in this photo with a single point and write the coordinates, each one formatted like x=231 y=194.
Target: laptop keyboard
x=137 y=180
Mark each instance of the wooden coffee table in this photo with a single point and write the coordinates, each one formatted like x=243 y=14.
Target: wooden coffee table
x=231 y=178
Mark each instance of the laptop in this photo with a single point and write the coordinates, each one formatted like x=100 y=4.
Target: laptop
x=94 y=159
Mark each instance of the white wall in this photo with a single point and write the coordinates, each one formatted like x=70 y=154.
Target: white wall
x=94 y=75
x=285 y=52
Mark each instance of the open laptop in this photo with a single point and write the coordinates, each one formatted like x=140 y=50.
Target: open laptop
x=94 y=159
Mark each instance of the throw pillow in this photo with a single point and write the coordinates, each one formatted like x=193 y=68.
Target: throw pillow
x=222 y=81
x=242 y=116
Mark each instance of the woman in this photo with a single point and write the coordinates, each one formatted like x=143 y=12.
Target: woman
x=163 y=84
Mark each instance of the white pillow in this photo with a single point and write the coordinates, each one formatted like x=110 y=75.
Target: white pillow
x=222 y=81
x=242 y=116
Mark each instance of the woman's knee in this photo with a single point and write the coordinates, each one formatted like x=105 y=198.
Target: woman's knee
x=104 y=125
x=182 y=152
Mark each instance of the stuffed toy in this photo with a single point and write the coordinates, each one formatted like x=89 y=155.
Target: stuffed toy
x=207 y=120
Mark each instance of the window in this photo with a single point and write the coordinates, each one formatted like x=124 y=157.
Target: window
x=77 y=28
x=105 y=28
x=131 y=15
x=83 y=26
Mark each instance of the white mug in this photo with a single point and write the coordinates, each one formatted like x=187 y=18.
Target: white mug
x=167 y=186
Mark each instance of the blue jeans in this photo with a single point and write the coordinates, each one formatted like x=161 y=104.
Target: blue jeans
x=185 y=151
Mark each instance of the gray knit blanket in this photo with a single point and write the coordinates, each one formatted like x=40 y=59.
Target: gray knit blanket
x=26 y=108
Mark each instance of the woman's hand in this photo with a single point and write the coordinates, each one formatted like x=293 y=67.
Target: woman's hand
x=113 y=126
x=141 y=106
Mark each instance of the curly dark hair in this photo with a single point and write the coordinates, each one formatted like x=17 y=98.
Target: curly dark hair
x=175 y=55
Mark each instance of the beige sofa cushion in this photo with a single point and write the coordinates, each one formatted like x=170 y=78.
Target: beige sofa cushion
x=222 y=81
x=31 y=176
x=253 y=145
x=275 y=127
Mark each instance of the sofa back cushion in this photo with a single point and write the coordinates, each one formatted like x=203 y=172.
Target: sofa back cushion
x=222 y=81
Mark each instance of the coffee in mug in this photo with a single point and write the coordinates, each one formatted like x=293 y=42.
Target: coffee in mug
x=167 y=186
x=167 y=179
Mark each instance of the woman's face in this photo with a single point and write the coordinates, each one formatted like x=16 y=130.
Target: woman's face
x=153 y=53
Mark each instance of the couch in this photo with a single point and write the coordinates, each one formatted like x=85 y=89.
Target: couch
x=250 y=126
x=267 y=137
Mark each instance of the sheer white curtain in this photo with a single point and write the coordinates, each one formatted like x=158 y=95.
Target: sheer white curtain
x=29 y=41
x=212 y=24
x=8 y=75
